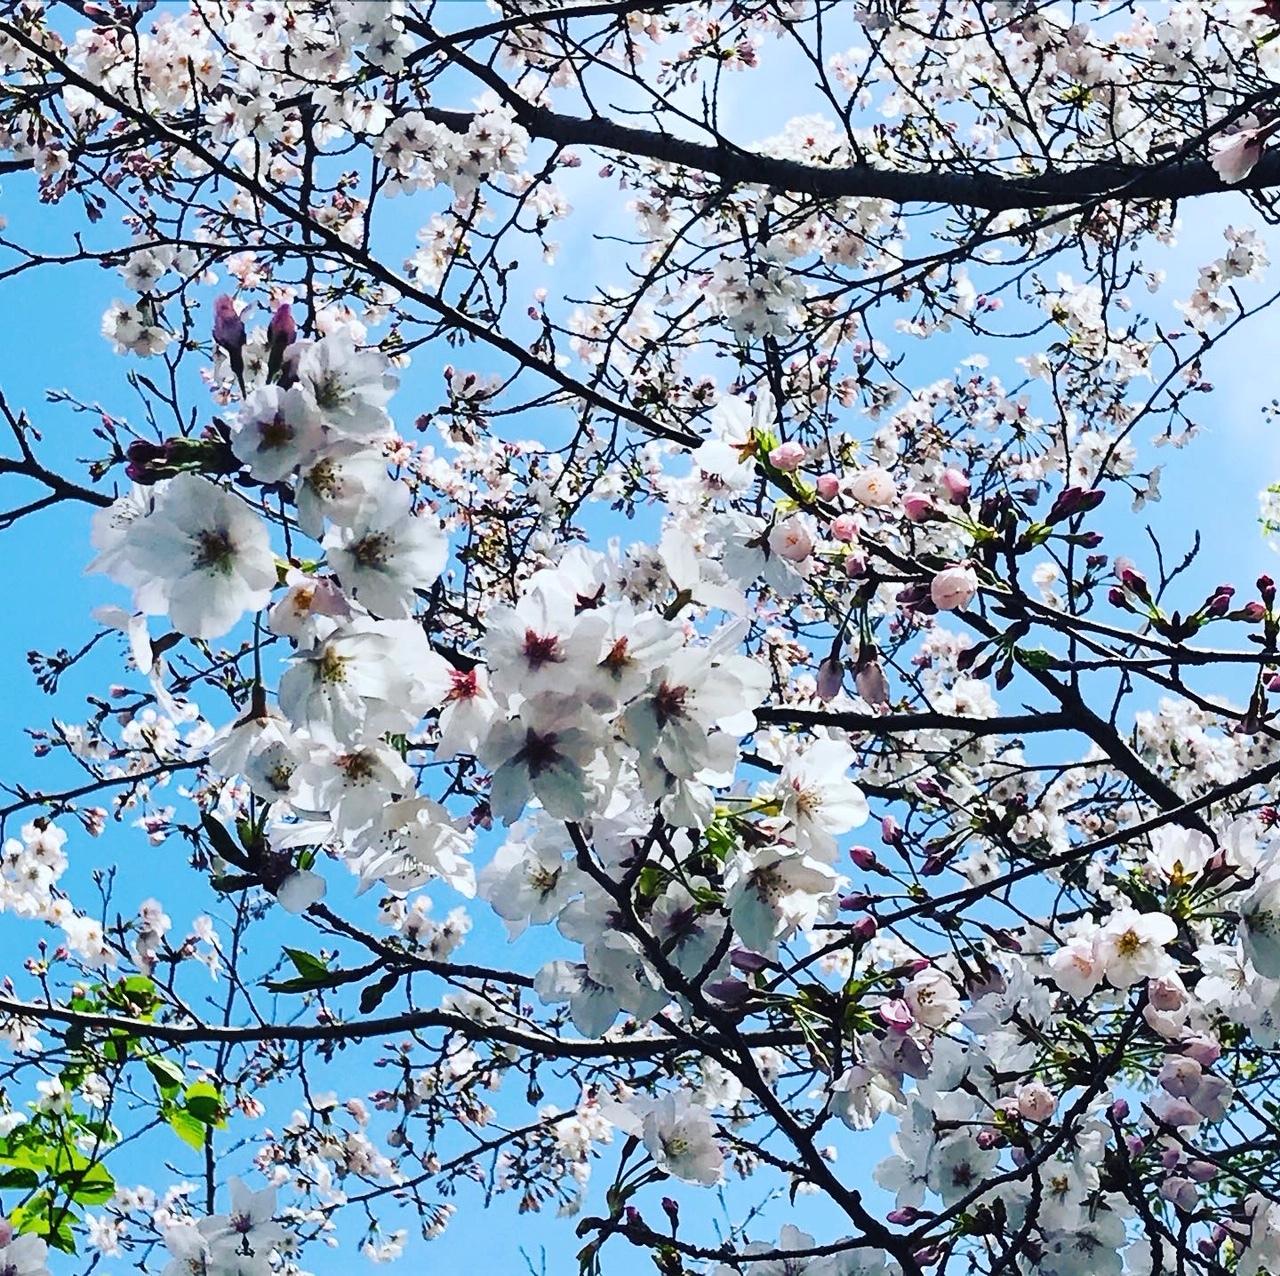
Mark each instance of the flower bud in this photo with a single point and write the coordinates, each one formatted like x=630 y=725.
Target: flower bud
x=787 y=457
x=1072 y=501
x=1134 y=581
x=956 y=485
x=917 y=507
x=828 y=487
x=864 y=929
x=282 y=332
x=228 y=327
x=855 y=566
x=872 y=684
x=863 y=856
x=733 y=992
x=830 y=678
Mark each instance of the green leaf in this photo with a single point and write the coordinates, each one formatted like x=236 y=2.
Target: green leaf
x=204 y=1102
x=90 y=1185
x=187 y=1128
x=168 y=1075
x=36 y=1217
x=308 y=965
x=312 y=973
x=1035 y=658
x=222 y=842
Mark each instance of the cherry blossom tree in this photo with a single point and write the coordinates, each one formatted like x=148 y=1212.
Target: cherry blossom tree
x=637 y=652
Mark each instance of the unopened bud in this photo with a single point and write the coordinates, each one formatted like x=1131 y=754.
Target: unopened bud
x=956 y=485
x=828 y=487
x=1072 y=501
x=228 y=327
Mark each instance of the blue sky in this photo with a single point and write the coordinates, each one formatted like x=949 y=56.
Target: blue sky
x=52 y=342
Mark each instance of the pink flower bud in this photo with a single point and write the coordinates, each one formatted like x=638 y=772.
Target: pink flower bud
x=828 y=487
x=855 y=566
x=955 y=483
x=228 y=327
x=864 y=929
x=864 y=857
x=845 y=528
x=872 y=684
x=787 y=457
x=896 y=1015
x=282 y=333
x=917 y=507
x=830 y=678
x=953 y=588
x=283 y=329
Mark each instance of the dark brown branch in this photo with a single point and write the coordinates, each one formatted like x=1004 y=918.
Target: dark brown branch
x=893 y=723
